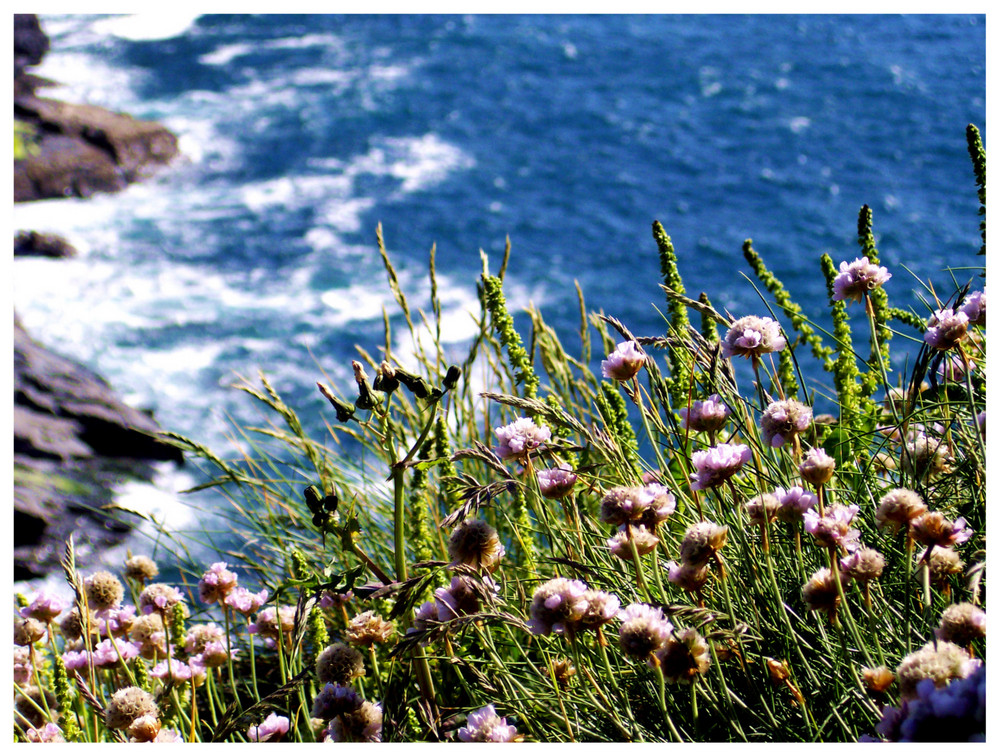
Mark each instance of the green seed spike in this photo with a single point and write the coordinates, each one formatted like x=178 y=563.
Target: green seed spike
x=880 y=304
x=679 y=361
x=978 y=155
x=844 y=368
x=503 y=325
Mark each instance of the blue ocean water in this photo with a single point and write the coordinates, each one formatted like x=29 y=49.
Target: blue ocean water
x=570 y=134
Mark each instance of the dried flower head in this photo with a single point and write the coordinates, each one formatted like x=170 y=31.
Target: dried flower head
x=270 y=730
x=684 y=656
x=476 y=544
x=104 y=590
x=934 y=529
x=199 y=636
x=339 y=663
x=961 y=624
x=644 y=630
x=707 y=415
x=621 y=542
x=717 y=464
x=863 y=565
x=690 y=577
x=462 y=597
x=834 y=528
x=623 y=363
x=557 y=605
x=817 y=466
x=878 y=679
x=943 y=564
x=335 y=699
x=141 y=569
x=22 y=665
x=557 y=482
x=783 y=420
x=363 y=725
x=27 y=630
x=855 y=280
x=794 y=503
x=71 y=626
x=924 y=455
x=946 y=329
x=32 y=705
x=940 y=662
x=898 y=508
x=820 y=592
x=601 y=608
x=159 y=597
x=368 y=628
x=702 y=541
x=217 y=583
x=148 y=634
x=144 y=729
x=520 y=438
x=762 y=508
x=752 y=337
x=486 y=726
x=562 y=670
x=127 y=705
x=273 y=625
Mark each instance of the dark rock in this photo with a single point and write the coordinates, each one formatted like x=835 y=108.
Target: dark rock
x=74 y=442
x=34 y=244
x=82 y=149
x=30 y=42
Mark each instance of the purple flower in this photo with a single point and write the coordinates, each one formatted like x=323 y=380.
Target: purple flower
x=115 y=621
x=834 y=527
x=817 y=466
x=107 y=654
x=623 y=363
x=519 y=438
x=952 y=368
x=752 y=336
x=50 y=733
x=621 y=543
x=272 y=728
x=177 y=671
x=946 y=328
x=22 y=665
x=974 y=307
x=705 y=415
x=644 y=630
x=557 y=482
x=335 y=699
x=331 y=600
x=784 y=420
x=717 y=464
x=216 y=584
x=556 y=605
x=45 y=607
x=857 y=279
x=486 y=726
x=76 y=659
x=794 y=503
x=245 y=602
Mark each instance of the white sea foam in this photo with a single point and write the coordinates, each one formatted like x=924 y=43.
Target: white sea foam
x=147 y=26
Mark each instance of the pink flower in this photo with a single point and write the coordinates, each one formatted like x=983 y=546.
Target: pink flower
x=216 y=584
x=486 y=726
x=45 y=607
x=974 y=307
x=717 y=464
x=834 y=527
x=271 y=729
x=784 y=420
x=952 y=368
x=556 y=483
x=752 y=336
x=22 y=665
x=245 y=602
x=519 y=438
x=76 y=659
x=946 y=328
x=556 y=605
x=857 y=279
x=705 y=415
x=50 y=733
x=621 y=543
x=115 y=621
x=794 y=503
x=623 y=363
x=106 y=655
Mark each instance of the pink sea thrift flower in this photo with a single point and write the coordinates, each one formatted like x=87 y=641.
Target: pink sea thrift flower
x=784 y=420
x=952 y=368
x=22 y=665
x=50 y=733
x=107 y=654
x=834 y=527
x=519 y=438
x=752 y=337
x=245 y=601
x=946 y=329
x=934 y=529
x=556 y=483
x=216 y=584
x=621 y=543
x=854 y=281
x=486 y=726
x=705 y=415
x=115 y=622
x=556 y=605
x=159 y=597
x=271 y=729
x=76 y=659
x=717 y=464
x=817 y=466
x=644 y=630
x=623 y=363
x=794 y=503
x=177 y=671
x=44 y=607
x=333 y=600
x=974 y=307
